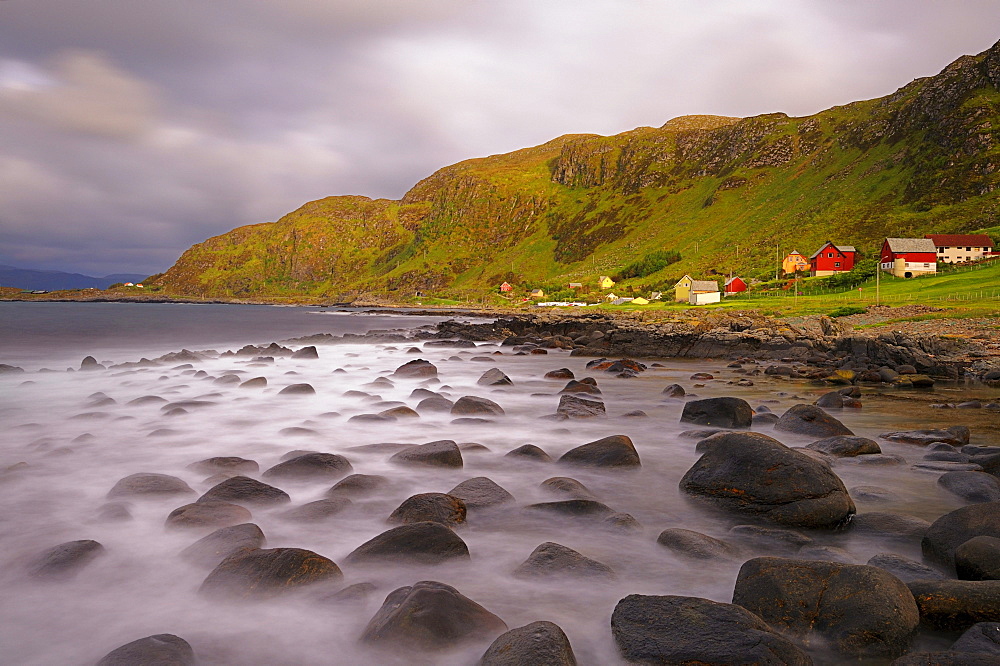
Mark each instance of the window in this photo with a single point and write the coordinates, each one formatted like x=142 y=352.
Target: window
x=829 y=254
x=836 y=264
x=968 y=249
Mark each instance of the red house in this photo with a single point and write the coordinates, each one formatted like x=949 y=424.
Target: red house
x=909 y=257
x=831 y=259
x=506 y=287
x=735 y=285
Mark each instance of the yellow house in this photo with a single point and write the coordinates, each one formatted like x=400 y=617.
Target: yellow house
x=536 y=293
x=639 y=300
x=795 y=261
x=604 y=282
x=682 y=290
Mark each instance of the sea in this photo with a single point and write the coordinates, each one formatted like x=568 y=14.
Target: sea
x=70 y=435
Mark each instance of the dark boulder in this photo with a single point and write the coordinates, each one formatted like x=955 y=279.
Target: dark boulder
x=978 y=559
x=971 y=486
x=306 y=352
x=480 y=493
x=764 y=419
x=575 y=407
x=613 y=451
x=442 y=453
x=843 y=446
x=435 y=404
x=149 y=485
x=858 y=611
x=158 y=650
x=208 y=514
x=690 y=630
x=564 y=485
x=553 y=559
x=311 y=467
x=418 y=368
x=981 y=638
x=893 y=525
x=581 y=386
x=954 y=435
x=538 y=644
x=399 y=412
x=673 y=391
x=955 y=528
x=358 y=485
x=223 y=542
x=470 y=405
x=770 y=539
x=561 y=373
x=904 y=569
x=956 y=605
x=529 y=452
x=233 y=464
x=244 y=490
x=718 y=412
x=576 y=508
x=66 y=560
x=297 y=389
x=430 y=616
x=753 y=474
x=311 y=512
x=948 y=658
x=695 y=545
x=90 y=363
x=435 y=507
x=424 y=543
x=494 y=377
x=267 y=572
x=831 y=400
x=810 y=420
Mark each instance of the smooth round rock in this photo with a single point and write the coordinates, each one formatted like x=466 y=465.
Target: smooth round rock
x=441 y=453
x=955 y=528
x=553 y=559
x=145 y=484
x=66 y=560
x=358 y=485
x=695 y=545
x=318 y=510
x=223 y=542
x=435 y=507
x=268 y=572
x=208 y=514
x=718 y=412
x=311 y=467
x=470 y=405
x=157 y=650
x=810 y=420
x=424 y=543
x=244 y=490
x=538 y=644
x=843 y=446
x=529 y=452
x=481 y=493
x=978 y=559
x=616 y=451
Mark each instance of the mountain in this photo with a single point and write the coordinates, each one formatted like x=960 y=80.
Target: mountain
x=728 y=194
x=26 y=278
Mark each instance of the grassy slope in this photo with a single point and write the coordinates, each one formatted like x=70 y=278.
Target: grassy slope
x=724 y=192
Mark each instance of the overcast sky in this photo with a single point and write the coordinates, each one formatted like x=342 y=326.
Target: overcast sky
x=132 y=129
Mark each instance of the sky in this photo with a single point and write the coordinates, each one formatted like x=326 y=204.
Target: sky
x=132 y=129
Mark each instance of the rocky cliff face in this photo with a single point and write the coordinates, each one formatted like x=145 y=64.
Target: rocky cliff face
x=924 y=159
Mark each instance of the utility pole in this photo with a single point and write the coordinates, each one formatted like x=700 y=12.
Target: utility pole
x=878 y=275
x=777 y=262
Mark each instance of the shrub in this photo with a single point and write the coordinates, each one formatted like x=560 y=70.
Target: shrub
x=652 y=262
x=849 y=310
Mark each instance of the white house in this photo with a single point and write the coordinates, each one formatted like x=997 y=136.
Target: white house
x=960 y=248
x=704 y=292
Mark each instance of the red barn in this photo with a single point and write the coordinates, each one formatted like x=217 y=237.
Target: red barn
x=506 y=287
x=735 y=285
x=908 y=257
x=831 y=259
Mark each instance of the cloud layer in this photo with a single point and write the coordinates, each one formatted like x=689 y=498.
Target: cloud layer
x=132 y=130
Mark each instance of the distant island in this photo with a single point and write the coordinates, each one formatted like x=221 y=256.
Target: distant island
x=36 y=280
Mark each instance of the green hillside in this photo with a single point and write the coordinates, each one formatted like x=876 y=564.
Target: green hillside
x=724 y=193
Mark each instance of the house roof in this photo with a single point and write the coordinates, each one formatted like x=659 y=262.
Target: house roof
x=686 y=277
x=621 y=301
x=734 y=279
x=704 y=285
x=842 y=248
x=604 y=277
x=954 y=240
x=795 y=253
x=911 y=245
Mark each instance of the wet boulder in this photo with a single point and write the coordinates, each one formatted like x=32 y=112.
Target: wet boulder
x=553 y=559
x=267 y=572
x=470 y=405
x=311 y=467
x=971 y=486
x=695 y=545
x=298 y=389
x=208 y=514
x=718 y=412
x=418 y=368
x=903 y=568
x=673 y=391
x=230 y=464
x=753 y=474
x=581 y=386
x=858 y=611
x=149 y=485
x=810 y=420
x=565 y=486
x=844 y=446
x=978 y=559
x=955 y=528
x=90 y=363
x=358 y=485
x=614 y=451
x=157 y=650
x=574 y=508
x=64 y=561
x=399 y=412
x=317 y=510
x=306 y=352
x=494 y=377
x=430 y=616
x=954 y=435
x=435 y=507
x=575 y=407
x=424 y=543
x=956 y=605
x=981 y=638
x=539 y=643
x=529 y=452
x=223 y=542
x=435 y=404
x=441 y=453
x=244 y=490
x=690 y=630
x=561 y=373
x=481 y=493
x=892 y=525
